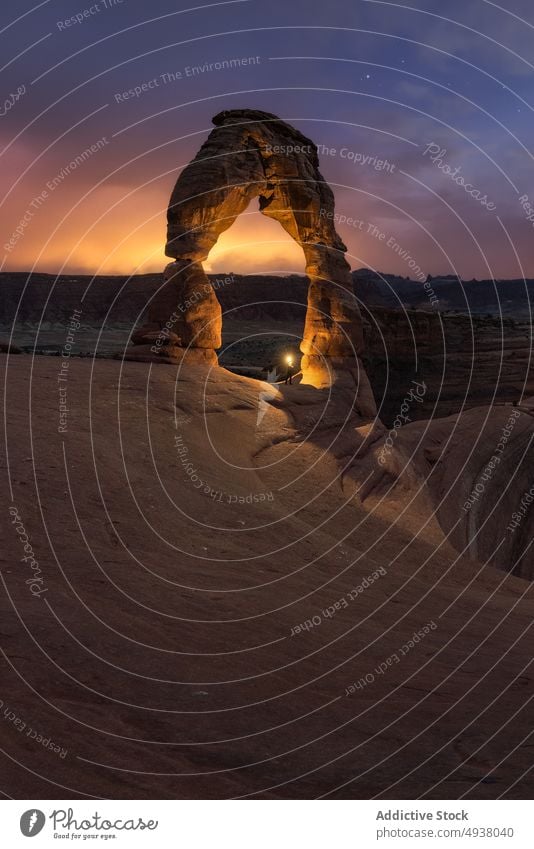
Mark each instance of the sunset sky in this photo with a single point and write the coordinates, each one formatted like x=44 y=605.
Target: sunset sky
x=402 y=102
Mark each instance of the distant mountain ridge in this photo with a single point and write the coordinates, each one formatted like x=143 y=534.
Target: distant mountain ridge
x=511 y=297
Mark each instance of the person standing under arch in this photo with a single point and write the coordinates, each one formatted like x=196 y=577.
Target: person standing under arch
x=289 y=370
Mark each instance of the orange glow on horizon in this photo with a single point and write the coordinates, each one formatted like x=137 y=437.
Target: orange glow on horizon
x=255 y=244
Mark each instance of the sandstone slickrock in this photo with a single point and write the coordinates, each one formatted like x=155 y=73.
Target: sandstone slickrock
x=255 y=154
x=466 y=478
x=465 y=360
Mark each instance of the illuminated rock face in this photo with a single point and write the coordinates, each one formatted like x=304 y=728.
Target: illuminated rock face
x=255 y=154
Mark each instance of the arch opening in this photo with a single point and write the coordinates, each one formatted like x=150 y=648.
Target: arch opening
x=258 y=273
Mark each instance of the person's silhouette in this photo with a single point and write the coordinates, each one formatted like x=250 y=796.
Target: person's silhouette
x=289 y=371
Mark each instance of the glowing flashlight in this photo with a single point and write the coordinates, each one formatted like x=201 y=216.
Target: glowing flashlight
x=289 y=361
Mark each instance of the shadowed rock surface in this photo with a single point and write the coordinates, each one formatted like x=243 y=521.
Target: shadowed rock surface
x=469 y=476
x=513 y=298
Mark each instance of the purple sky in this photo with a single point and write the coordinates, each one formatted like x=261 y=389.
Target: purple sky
x=370 y=82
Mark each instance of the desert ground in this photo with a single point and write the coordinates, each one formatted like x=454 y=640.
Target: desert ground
x=222 y=607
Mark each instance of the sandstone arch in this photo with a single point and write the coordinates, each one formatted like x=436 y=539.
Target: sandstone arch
x=255 y=154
